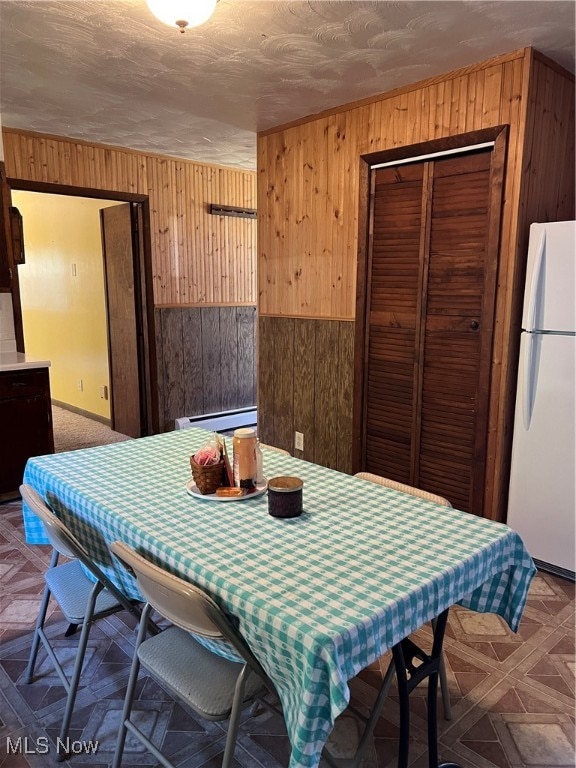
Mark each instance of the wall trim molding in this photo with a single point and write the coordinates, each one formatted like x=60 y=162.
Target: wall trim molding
x=82 y=412
x=206 y=304
x=309 y=317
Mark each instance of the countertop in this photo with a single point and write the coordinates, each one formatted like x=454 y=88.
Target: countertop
x=18 y=361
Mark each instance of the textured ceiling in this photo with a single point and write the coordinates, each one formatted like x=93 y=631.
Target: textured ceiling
x=107 y=71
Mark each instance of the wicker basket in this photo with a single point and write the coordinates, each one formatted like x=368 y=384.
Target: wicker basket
x=208 y=477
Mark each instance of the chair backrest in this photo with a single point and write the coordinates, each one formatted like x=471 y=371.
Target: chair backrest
x=182 y=603
x=58 y=534
x=273 y=448
x=64 y=542
x=403 y=488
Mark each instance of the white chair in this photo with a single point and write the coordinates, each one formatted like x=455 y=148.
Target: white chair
x=82 y=600
x=215 y=687
x=403 y=488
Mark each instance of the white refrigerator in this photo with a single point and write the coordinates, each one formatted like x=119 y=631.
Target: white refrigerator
x=542 y=499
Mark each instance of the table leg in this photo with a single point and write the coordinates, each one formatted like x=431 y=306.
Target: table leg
x=404 y=704
x=432 y=720
x=409 y=676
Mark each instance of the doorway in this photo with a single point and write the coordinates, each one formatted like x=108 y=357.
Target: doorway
x=122 y=390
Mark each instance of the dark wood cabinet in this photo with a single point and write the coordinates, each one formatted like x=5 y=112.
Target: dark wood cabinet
x=25 y=424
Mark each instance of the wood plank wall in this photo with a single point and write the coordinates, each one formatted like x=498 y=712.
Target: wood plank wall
x=207 y=355
x=544 y=177
x=197 y=258
x=305 y=363
x=308 y=193
x=308 y=179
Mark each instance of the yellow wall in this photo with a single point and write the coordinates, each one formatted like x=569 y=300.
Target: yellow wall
x=64 y=315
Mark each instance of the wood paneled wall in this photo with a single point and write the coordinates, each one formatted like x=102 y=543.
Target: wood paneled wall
x=308 y=179
x=308 y=199
x=305 y=366
x=206 y=356
x=197 y=258
x=544 y=190
x=207 y=359
x=548 y=188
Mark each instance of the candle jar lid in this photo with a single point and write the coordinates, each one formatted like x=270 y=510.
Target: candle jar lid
x=285 y=484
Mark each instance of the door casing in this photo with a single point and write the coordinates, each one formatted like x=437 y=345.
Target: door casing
x=142 y=285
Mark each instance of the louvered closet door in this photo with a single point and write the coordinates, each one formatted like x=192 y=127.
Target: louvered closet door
x=394 y=291
x=429 y=326
x=453 y=415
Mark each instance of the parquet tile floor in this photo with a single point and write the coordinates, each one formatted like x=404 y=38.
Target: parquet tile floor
x=513 y=695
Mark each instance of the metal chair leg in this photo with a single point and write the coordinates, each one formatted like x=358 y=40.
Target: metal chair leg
x=36 y=639
x=129 y=698
x=235 y=718
x=39 y=625
x=76 y=673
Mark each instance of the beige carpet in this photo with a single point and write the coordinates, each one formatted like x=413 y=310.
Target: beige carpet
x=72 y=431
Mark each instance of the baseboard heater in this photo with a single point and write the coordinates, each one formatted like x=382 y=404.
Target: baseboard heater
x=555 y=570
x=219 y=422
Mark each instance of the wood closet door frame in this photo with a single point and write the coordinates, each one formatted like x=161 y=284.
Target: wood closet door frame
x=120 y=234
x=143 y=283
x=498 y=135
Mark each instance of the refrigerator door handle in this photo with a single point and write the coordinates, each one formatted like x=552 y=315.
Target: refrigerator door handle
x=535 y=283
x=528 y=379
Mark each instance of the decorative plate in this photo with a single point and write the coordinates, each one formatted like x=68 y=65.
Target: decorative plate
x=192 y=489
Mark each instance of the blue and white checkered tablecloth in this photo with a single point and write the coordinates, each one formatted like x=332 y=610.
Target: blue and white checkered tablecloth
x=318 y=598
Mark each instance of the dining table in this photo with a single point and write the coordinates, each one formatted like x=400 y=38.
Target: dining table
x=318 y=597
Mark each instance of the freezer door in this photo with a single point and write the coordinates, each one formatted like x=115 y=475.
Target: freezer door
x=550 y=293
x=542 y=500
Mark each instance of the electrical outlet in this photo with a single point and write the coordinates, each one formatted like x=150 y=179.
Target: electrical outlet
x=298 y=441
x=80 y=385
x=104 y=392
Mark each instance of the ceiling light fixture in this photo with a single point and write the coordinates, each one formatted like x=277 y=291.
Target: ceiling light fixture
x=182 y=13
